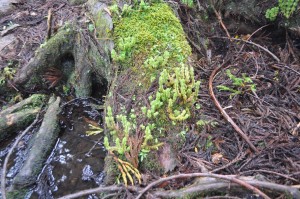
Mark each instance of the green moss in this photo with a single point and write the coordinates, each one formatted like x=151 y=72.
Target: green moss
x=151 y=163
x=17 y=194
x=152 y=38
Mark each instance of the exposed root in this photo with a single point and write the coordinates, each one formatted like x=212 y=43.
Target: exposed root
x=3 y=175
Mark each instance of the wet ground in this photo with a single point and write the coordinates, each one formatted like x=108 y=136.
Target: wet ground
x=76 y=162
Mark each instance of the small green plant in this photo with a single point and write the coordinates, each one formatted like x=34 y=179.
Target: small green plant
x=122 y=131
x=125 y=49
x=177 y=93
x=189 y=3
x=7 y=74
x=272 y=13
x=202 y=123
x=240 y=85
x=209 y=143
x=286 y=7
x=91 y=27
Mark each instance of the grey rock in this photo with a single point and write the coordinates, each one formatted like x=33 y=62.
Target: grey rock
x=6 y=6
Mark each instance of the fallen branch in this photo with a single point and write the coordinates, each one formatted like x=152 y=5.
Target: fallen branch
x=112 y=188
x=3 y=176
x=230 y=178
x=271 y=172
x=223 y=112
x=217 y=185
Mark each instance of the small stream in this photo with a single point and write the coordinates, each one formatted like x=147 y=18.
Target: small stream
x=77 y=160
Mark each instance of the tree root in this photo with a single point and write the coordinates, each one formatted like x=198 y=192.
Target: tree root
x=207 y=182
x=3 y=176
x=217 y=184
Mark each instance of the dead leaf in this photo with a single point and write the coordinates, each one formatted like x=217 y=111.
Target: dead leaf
x=217 y=158
x=167 y=158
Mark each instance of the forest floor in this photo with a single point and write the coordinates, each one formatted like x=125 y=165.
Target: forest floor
x=250 y=88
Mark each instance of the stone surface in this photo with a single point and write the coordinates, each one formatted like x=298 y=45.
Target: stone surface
x=6 y=6
x=77 y=2
x=6 y=40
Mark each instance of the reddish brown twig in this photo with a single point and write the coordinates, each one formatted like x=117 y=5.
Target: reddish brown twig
x=220 y=19
x=193 y=175
x=223 y=112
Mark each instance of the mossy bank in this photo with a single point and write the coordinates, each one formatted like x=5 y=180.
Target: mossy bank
x=153 y=94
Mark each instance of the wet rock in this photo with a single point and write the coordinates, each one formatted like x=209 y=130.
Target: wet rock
x=103 y=22
x=41 y=145
x=6 y=6
x=77 y=2
x=6 y=40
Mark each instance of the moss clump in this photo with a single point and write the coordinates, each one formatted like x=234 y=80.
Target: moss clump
x=151 y=37
x=17 y=194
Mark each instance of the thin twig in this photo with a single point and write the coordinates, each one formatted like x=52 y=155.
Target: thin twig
x=271 y=172
x=257 y=45
x=49 y=23
x=3 y=177
x=220 y=19
x=112 y=188
x=252 y=35
x=223 y=112
x=193 y=175
x=285 y=66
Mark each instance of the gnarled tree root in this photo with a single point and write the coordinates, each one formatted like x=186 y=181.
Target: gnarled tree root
x=18 y=116
x=41 y=144
x=68 y=42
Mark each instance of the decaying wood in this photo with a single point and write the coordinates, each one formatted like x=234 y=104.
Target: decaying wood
x=41 y=144
x=208 y=176
x=4 y=168
x=218 y=184
x=68 y=42
x=18 y=116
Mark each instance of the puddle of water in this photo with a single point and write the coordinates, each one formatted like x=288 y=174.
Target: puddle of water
x=76 y=163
